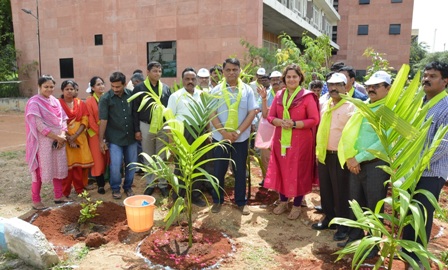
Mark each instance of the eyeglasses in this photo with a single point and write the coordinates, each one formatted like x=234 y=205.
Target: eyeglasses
x=375 y=86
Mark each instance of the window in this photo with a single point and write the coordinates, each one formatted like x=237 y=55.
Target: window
x=164 y=53
x=363 y=30
x=66 y=68
x=98 y=40
x=364 y=2
x=394 y=29
x=396 y=1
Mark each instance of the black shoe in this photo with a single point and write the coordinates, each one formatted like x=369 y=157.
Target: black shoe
x=323 y=226
x=101 y=190
x=198 y=202
x=164 y=192
x=149 y=191
x=318 y=209
x=339 y=236
x=373 y=253
x=345 y=243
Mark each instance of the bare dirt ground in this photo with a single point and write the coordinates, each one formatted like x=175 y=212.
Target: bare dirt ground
x=262 y=239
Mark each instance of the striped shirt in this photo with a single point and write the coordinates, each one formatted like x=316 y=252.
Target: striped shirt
x=439 y=161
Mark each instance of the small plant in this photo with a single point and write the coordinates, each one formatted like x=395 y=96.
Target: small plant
x=88 y=210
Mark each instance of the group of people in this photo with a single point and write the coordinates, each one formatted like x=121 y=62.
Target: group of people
x=303 y=135
x=341 y=138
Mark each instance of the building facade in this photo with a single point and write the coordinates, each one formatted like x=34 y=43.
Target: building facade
x=384 y=25
x=84 y=38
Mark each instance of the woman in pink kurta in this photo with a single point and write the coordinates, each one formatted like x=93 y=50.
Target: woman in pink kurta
x=45 y=141
x=291 y=169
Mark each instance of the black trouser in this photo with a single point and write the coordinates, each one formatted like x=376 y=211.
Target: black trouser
x=334 y=188
x=367 y=188
x=433 y=185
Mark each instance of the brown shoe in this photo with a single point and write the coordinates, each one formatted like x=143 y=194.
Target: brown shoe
x=295 y=212
x=39 y=206
x=281 y=208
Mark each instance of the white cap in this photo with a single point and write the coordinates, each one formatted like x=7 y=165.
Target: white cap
x=203 y=72
x=261 y=71
x=337 y=78
x=89 y=88
x=275 y=74
x=379 y=77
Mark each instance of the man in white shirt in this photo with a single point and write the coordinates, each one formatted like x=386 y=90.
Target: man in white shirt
x=204 y=80
x=179 y=103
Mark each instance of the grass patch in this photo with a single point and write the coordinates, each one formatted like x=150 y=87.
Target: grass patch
x=258 y=256
x=76 y=255
x=9 y=155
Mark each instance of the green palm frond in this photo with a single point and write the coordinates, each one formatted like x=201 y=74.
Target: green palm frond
x=402 y=127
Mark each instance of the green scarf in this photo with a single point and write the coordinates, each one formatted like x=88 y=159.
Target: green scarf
x=89 y=130
x=232 y=118
x=157 y=110
x=346 y=146
x=436 y=99
x=285 y=140
x=323 y=132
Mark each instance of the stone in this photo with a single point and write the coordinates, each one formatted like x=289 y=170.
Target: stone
x=29 y=243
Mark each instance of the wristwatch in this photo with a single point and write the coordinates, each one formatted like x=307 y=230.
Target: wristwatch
x=238 y=131
x=293 y=124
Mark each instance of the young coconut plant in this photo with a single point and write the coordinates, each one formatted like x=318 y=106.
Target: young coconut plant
x=190 y=158
x=402 y=129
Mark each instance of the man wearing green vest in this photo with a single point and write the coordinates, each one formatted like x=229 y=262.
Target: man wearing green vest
x=366 y=179
x=435 y=80
x=334 y=179
x=148 y=122
x=231 y=122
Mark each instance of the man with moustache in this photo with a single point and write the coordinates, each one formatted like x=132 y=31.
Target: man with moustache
x=435 y=80
x=335 y=113
x=147 y=122
x=264 y=102
x=179 y=103
x=117 y=127
x=366 y=180
x=231 y=122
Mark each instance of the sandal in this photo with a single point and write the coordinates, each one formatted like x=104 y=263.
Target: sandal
x=62 y=200
x=295 y=212
x=281 y=208
x=39 y=206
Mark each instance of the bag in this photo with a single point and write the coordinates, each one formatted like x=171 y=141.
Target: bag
x=264 y=135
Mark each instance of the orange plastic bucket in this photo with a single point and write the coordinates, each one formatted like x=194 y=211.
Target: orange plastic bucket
x=140 y=217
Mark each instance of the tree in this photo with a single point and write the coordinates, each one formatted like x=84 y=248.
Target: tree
x=431 y=57
x=419 y=50
x=379 y=62
x=8 y=64
x=315 y=56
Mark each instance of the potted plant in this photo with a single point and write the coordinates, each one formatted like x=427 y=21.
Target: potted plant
x=402 y=129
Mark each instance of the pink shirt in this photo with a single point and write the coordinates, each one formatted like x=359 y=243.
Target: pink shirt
x=339 y=118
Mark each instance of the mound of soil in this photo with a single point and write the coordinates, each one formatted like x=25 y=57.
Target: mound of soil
x=170 y=248
x=60 y=226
